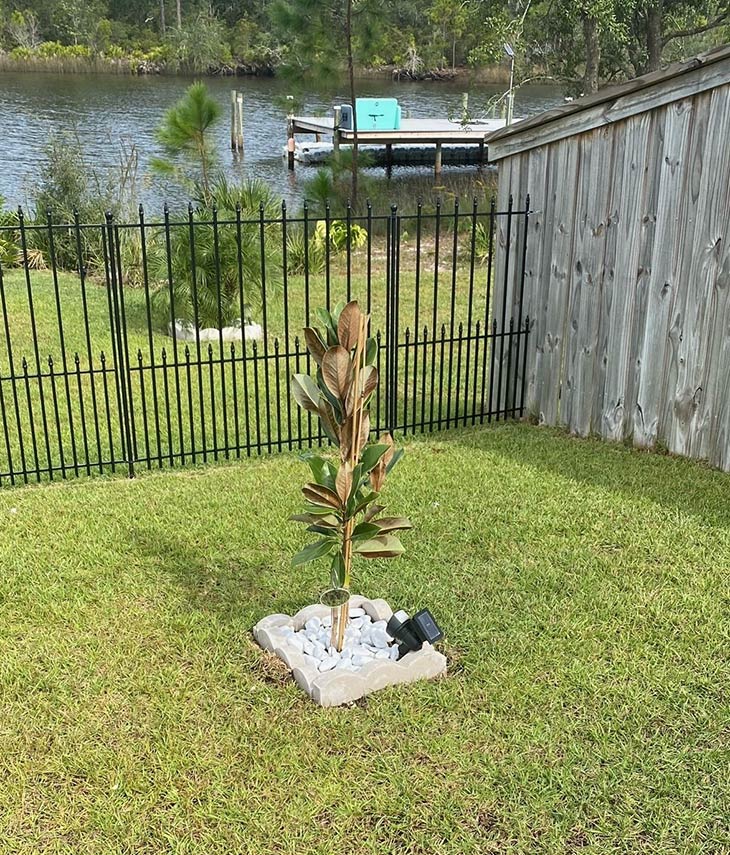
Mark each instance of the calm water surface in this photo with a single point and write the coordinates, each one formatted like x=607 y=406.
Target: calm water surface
x=104 y=110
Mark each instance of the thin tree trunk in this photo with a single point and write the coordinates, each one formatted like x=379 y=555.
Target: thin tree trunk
x=351 y=75
x=162 y=17
x=654 y=36
x=179 y=14
x=593 y=54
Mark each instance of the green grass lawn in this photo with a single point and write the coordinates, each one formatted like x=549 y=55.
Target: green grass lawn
x=584 y=593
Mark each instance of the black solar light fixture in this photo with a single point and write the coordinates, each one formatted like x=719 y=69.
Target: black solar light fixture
x=412 y=632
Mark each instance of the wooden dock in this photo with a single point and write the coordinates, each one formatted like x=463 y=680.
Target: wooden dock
x=416 y=133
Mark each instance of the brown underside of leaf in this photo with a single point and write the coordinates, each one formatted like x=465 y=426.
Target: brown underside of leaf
x=319 y=495
x=349 y=325
x=315 y=345
x=337 y=372
x=343 y=482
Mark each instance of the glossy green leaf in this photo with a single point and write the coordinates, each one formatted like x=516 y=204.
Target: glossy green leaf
x=394 y=459
x=329 y=325
x=371 y=351
x=318 y=510
x=383 y=546
x=337 y=570
x=313 y=551
x=305 y=392
x=386 y=524
x=321 y=470
x=371 y=455
x=364 y=531
x=325 y=518
x=321 y=529
x=364 y=502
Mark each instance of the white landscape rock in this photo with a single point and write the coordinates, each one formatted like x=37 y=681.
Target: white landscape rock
x=185 y=331
x=369 y=660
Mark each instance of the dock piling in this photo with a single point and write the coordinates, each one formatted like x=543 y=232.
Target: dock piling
x=290 y=143
x=437 y=162
x=336 y=133
x=236 y=121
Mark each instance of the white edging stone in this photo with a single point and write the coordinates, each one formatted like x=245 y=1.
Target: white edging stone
x=341 y=686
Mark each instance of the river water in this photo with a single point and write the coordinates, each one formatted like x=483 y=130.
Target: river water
x=106 y=110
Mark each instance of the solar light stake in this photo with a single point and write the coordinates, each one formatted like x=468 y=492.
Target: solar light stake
x=412 y=632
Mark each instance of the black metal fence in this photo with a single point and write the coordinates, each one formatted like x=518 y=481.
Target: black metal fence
x=172 y=342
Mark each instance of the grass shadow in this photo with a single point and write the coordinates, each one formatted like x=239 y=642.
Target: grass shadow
x=225 y=585
x=678 y=484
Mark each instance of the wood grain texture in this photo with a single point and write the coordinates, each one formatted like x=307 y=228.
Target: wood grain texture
x=591 y=225
x=663 y=276
x=627 y=275
x=626 y=199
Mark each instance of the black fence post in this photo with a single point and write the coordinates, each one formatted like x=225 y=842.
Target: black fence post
x=118 y=336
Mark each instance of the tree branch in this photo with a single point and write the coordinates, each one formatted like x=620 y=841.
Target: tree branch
x=695 y=31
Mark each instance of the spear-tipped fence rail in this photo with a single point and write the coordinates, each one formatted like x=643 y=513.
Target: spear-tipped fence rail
x=92 y=381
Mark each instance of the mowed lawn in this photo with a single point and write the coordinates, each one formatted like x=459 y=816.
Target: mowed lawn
x=585 y=596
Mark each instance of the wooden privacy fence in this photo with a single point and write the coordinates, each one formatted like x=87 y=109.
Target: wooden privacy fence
x=627 y=265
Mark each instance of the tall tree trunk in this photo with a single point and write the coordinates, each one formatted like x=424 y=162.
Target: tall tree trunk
x=179 y=14
x=654 y=36
x=592 y=53
x=351 y=75
x=162 y=17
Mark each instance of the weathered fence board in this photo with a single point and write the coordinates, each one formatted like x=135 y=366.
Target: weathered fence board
x=627 y=273
x=663 y=276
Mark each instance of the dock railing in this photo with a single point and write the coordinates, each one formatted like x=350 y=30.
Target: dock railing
x=172 y=341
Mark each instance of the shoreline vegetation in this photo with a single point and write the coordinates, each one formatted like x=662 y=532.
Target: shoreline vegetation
x=578 y=47
x=54 y=58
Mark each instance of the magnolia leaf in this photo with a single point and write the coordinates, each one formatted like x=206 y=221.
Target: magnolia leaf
x=367 y=385
x=327 y=519
x=371 y=455
x=320 y=529
x=371 y=351
x=364 y=502
x=305 y=391
x=337 y=570
x=319 y=495
x=377 y=475
x=348 y=325
x=328 y=422
x=329 y=326
x=394 y=459
x=317 y=510
x=321 y=470
x=332 y=400
x=373 y=511
x=384 y=546
x=336 y=312
x=386 y=524
x=337 y=371
x=370 y=383
x=313 y=551
x=315 y=345
x=364 y=433
x=365 y=531
x=387 y=439
x=343 y=482
x=346 y=438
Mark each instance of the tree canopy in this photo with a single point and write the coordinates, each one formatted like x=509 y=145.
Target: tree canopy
x=582 y=43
